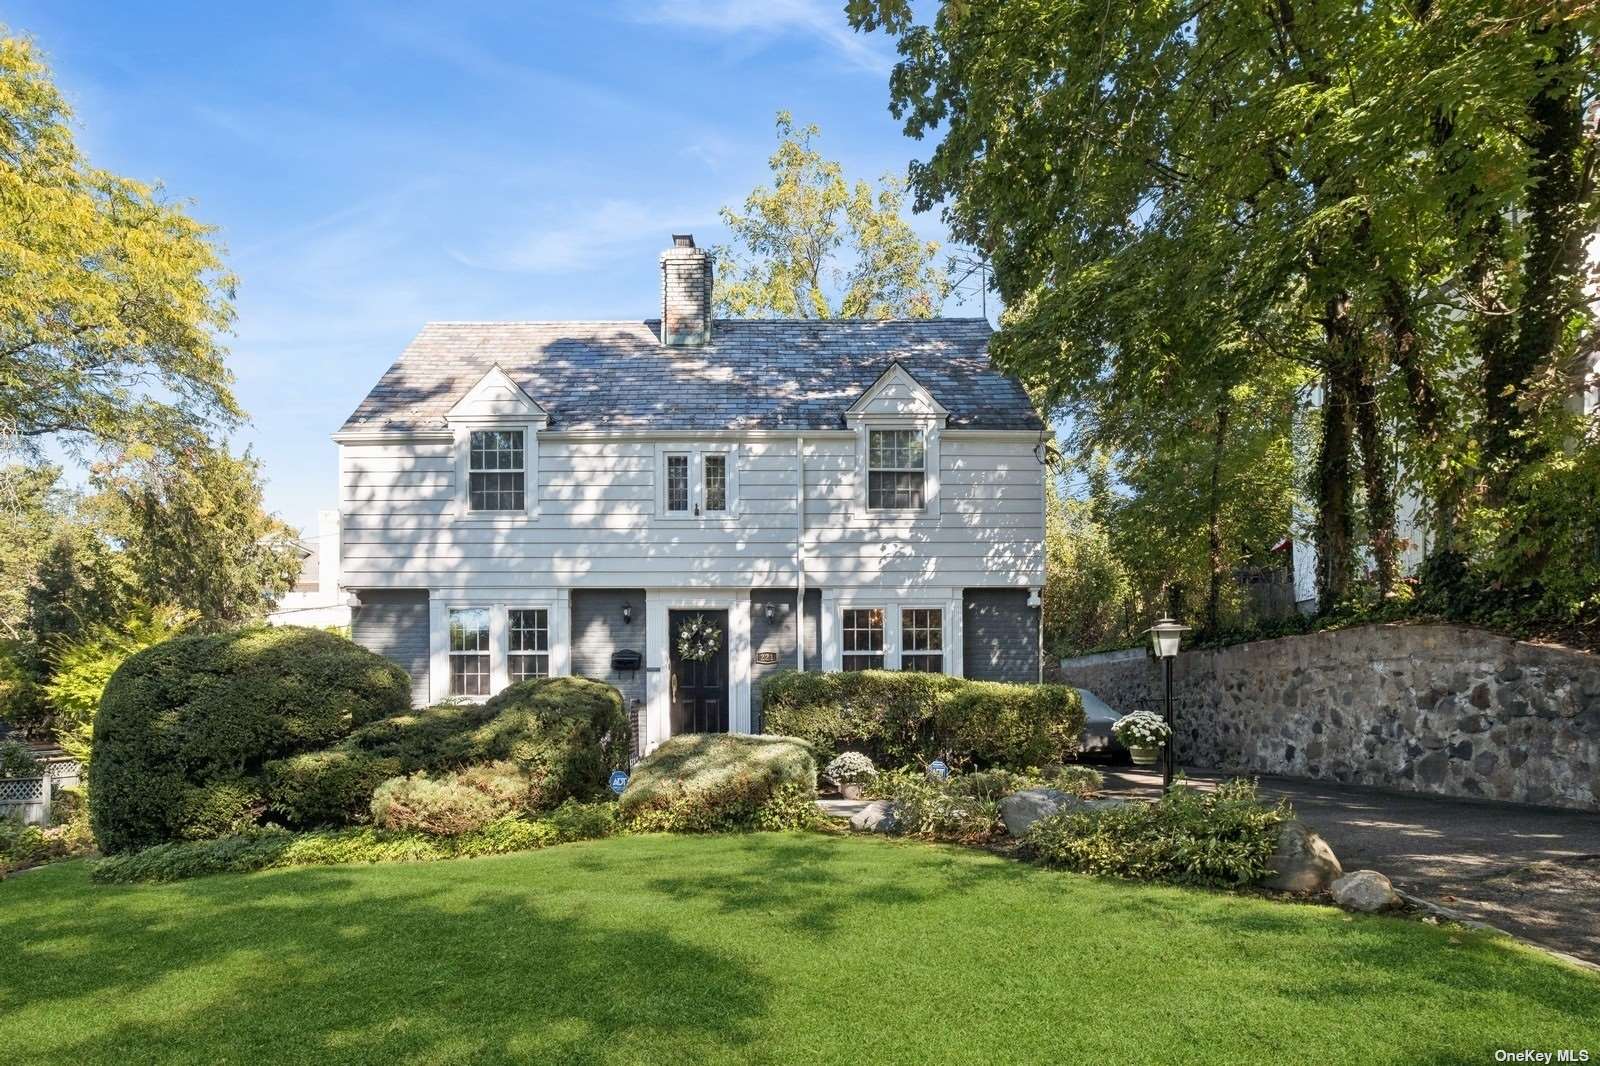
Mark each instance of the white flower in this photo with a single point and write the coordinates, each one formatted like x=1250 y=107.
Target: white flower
x=1141 y=729
x=851 y=768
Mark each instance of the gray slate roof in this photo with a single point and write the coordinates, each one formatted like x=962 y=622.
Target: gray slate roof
x=754 y=374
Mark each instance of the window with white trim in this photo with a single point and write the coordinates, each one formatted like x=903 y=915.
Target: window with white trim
x=678 y=482
x=527 y=643
x=496 y=470
x=922 y=640
x=714 y=478
x=469 y=651
x=897 y=467
x=862 y=638
x=695 y=482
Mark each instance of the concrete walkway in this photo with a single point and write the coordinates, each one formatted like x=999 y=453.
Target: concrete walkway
x=1532 y=871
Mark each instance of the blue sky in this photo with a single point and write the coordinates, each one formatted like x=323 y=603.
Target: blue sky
x=372 y=167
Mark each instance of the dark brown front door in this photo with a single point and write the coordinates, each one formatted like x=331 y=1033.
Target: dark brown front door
x=699 y=689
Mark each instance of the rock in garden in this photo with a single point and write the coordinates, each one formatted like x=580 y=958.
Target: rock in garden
x=1021 y=809
x=875 y=817
x=1365 y=890
x=1303 y=861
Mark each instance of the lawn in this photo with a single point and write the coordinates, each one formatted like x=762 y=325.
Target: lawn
x=760 y=948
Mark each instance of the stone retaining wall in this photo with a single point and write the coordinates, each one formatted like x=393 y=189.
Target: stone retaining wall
x=1428 y=708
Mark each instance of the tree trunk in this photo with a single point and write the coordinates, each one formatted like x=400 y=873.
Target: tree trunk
x=1375 y=478
x=1213 y=522
x=1335 y=530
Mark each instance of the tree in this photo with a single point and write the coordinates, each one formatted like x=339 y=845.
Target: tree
x=111 y=297
x=195 y=533
x=1183 y=200
x=812 y=234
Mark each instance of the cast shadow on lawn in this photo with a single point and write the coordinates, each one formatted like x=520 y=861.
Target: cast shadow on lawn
x=412 y=974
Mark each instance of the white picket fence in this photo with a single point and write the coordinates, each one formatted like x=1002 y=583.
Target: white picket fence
x=31 y=797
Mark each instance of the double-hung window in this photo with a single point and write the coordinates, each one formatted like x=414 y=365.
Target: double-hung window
x=696 y=483
x=496 y=470
x=863 y=638
x=469 y=652
x=528 y=643
x=897 y=464
x=922 y=640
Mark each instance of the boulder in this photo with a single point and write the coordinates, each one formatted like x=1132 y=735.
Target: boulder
x=1021 y=809
x=1303 y=861
x=875 y=817
x=1367 y=891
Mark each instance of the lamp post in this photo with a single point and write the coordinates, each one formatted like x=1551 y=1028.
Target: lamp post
x=1164 y=638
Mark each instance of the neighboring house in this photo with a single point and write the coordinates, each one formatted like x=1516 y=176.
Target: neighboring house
x=316 y=598
x=530 y=498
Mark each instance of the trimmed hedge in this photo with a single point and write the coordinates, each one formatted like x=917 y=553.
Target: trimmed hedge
x=710 y=782
x=185 y=727
x=566 y=733
x=909 y=717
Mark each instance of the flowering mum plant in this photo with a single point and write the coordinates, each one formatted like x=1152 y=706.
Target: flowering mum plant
x=851 y=768
x=1141 y=729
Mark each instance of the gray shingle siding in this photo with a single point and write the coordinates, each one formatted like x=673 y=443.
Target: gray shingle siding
x=1000 y=635
x=752 y=375
x=395 y=625
x=777 y=637
x=597 y=631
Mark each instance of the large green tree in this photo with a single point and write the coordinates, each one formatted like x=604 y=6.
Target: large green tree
x=111 y=297
x=812 y=245
x=1186 y=199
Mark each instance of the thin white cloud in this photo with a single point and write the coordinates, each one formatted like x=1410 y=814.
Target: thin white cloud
x=821 y=20
x=583 y=239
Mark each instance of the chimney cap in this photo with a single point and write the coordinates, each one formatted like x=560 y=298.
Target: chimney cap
x=683 y=240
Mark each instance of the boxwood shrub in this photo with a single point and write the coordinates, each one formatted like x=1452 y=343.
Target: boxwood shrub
x=710 y=782
x=566 y=733
x=909 y=717
x=185 y=727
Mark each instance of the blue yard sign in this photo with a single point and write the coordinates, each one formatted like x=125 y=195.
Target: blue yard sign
x=938 y=769
x=619 y=781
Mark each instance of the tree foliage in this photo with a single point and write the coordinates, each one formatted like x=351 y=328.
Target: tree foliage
x=1195 y=209
x=111 y=297
x=814 y=245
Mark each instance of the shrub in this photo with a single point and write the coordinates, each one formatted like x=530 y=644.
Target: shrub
x=964 y=807
x=583 y=821
x=851 y=768
x=84 y=666
x=445 y=806
x=565 y=734
x=1079 y=780
x=909 y=717
x=709 y=782
x=16 y=760
x=1220 y=838
x=186 y=726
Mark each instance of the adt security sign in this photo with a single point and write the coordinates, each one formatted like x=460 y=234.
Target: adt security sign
x=619 y=781
x=937 y=768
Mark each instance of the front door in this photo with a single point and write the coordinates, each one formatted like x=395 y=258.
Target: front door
x=699 y=686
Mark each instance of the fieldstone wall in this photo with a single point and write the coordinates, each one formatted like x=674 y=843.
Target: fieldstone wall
x=1429 y=708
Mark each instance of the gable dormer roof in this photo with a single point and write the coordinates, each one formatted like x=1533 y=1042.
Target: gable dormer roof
x=754 y=374
x=496 y=396
x=896 y=394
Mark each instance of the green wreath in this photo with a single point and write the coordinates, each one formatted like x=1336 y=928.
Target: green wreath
x=698 y=639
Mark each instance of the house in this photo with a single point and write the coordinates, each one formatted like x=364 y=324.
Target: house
x=315 y=599
x=529 y=498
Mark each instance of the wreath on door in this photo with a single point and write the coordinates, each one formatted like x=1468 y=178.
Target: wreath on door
x=699 y=638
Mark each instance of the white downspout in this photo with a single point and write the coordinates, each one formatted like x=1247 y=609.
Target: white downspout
x=800 y=552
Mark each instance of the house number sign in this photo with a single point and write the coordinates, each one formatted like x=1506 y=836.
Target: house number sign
x=766 y=658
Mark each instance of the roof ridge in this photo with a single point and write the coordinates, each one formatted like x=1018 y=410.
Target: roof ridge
x=741 y=321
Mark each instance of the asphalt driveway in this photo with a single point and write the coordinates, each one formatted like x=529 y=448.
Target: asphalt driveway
x=1532 y=871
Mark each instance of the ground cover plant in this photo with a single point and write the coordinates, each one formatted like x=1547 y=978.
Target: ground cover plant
x=709 y=782
x=898 y=718
x=735 y=949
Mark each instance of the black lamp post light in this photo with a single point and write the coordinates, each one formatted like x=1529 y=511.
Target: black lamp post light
x=1165 y=636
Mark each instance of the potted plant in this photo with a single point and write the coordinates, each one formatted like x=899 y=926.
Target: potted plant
x=851 y=771
x=1142 y=733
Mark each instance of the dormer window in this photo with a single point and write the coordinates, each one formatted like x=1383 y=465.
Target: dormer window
x=897 y=466
x=496 y=474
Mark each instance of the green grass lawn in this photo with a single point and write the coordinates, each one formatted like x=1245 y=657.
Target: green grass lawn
x=762 y=948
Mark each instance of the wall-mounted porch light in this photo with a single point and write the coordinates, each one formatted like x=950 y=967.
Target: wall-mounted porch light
x=770 y=612
x=627 y=614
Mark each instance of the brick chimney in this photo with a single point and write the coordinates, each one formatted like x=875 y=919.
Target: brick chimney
x=685 y=294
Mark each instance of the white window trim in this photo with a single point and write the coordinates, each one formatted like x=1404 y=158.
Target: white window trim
x=697 y=486
x=833 y=657
x=944 y=633
x=550 y=636
x=930 y=430
x=451 y=655
x=530 y=469
x=556 y=601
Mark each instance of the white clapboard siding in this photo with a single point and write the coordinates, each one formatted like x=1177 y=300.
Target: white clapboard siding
x=594 y=523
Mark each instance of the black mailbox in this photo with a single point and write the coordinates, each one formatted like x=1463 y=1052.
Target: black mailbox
x=626 y=660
